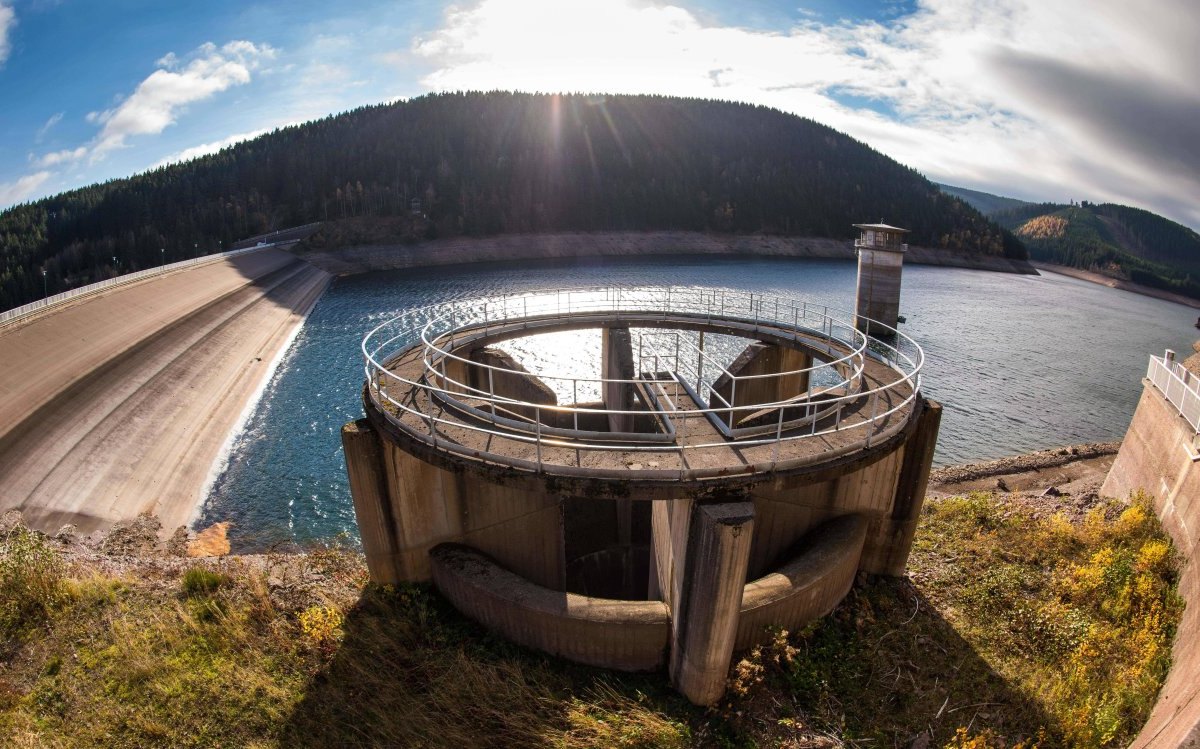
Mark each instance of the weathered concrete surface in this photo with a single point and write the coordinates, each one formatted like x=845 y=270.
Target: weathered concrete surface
x=616 y=362
x=807 y=587
x=761 y=359
x=708 y=601
x=119 y=403
x=427 y=505
x=625 y=635
x=1156 y=457
x=877 y=297
x=563 y=245
x=372 y=510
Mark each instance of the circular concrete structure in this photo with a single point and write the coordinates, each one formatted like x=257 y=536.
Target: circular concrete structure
x=667 y=406
x=725 y=463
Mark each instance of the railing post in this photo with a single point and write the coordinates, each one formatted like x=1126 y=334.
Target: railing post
x=537 y=416
x=778 y=437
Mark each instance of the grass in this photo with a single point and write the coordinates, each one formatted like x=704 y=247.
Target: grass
x=1012 y=629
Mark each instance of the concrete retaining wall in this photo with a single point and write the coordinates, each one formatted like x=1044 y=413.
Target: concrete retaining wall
x=624 y=635
x=806 y=588
x=1157 y=457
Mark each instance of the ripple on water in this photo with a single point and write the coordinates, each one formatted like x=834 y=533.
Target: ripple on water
x=1020 y=363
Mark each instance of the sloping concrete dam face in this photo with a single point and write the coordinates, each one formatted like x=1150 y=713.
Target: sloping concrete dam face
x=670 y=523
x=118 y=403
x=1158 y=456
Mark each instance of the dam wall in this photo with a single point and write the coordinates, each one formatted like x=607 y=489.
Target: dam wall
x=1158 y=456
x=118 y=402
x=573 y=245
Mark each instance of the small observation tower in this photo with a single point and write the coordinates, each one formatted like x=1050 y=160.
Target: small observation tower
x=880 y=250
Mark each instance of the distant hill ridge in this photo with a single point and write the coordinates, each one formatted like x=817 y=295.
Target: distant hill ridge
x=1116 y=240
x=482 y=164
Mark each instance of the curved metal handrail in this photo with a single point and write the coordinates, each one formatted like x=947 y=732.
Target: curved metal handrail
x=445 y=330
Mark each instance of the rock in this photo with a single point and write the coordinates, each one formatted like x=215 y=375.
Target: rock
x=67 y=534
x=10 y=520
x=134 y=537
x=920 y=741
x=1052 y=491
x=177 y=545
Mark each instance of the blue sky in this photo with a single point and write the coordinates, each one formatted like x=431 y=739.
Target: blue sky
x=1071 y=99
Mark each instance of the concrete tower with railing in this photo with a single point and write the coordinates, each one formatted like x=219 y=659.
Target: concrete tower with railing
x=880 y=250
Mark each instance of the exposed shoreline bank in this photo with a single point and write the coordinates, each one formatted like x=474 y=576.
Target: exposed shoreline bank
x=1116 y=283
x=577 y=245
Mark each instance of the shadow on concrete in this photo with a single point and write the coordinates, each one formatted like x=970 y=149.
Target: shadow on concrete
x=885 y=666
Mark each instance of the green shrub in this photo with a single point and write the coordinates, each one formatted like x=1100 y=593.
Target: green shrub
x=200 y=581
x=31 y=580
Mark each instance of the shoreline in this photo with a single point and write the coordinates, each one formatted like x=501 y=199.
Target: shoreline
x=1116 y=283
x=580 y=245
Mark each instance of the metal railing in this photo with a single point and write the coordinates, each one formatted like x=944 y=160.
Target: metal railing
x=17 y=313
x=416 y=374
x=892 y=246
x=1179 y=386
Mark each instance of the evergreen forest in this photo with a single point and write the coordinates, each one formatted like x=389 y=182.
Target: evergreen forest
x=476 y=164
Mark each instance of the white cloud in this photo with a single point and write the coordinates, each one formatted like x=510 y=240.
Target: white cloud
x=157 y=101
x=23 y=188
x=984 y=94
x=204 y=149
x=46 y=128
x=8 y=19
x=65 y=156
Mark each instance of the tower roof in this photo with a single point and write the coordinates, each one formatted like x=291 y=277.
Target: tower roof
x=881 y=227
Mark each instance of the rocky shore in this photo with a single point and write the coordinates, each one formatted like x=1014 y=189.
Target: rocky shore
x=570 y=245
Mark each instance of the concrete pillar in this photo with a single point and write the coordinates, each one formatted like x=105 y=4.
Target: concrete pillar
x=878 y=295
x=708 y=598
x=617 y=364
x=760 y=359
x=372 y=508
x=901 y=525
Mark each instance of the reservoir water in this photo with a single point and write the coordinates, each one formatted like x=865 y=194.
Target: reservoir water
x=1020 y=363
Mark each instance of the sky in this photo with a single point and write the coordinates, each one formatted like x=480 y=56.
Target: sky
x=1044 y=100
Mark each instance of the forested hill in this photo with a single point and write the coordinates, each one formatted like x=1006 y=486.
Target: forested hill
x=984 y=202
x=1116 y=240
x=489 y=163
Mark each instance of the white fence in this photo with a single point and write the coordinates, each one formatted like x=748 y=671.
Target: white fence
x=19 y=312
x=1178 y=385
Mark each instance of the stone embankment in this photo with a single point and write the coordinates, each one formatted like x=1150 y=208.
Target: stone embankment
x=572 y=245
x=1117 y=283
x=119 y=403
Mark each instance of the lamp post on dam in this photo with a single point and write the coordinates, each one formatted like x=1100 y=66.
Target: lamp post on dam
x=880 y=251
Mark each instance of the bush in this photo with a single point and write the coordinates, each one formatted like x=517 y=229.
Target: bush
x=31 y=580
x=200 y=581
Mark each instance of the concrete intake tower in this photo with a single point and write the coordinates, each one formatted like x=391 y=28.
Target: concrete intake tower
x=726 y=463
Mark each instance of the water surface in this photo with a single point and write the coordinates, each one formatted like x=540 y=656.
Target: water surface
x=1020 y=363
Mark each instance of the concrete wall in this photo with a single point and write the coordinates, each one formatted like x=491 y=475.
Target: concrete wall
x=760 y=359
x=807 y=587
x=878 y=294
x=420 y=506
x=625 y=635
x=1156 y=457
x=799 y=536
x=616 y=361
